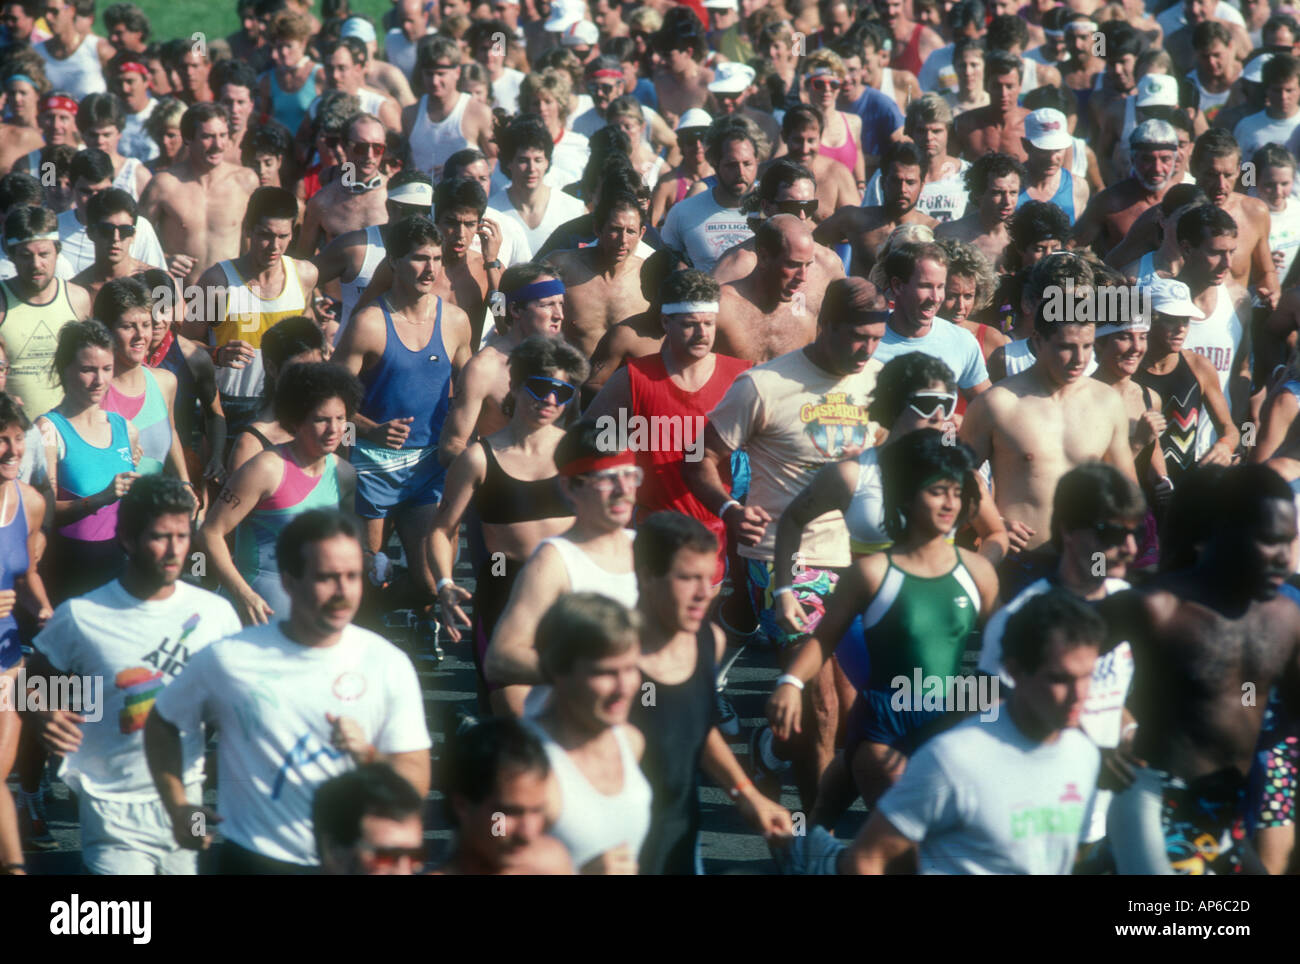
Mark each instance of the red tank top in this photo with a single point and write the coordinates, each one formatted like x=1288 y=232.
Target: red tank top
x=676 y=417
x=909 y=58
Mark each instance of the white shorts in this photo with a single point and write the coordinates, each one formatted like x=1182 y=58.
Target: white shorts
x=133 y=837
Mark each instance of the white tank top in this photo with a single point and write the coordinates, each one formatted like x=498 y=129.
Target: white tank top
x=1030 y=79
x=1018 y=357
x=432 y=144
x=1216 y=338
x=1079 y=161
x=865 y=516
x=79 y=74
x=887 y=82
x=591 y=822
x=586 y=576
x=126 y=178
x=352 y=289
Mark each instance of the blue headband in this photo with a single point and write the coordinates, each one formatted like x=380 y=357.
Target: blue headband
x=23 y=77
x=535 y=291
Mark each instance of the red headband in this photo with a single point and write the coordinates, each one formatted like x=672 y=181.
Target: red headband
x=612 y=74
x=594 y=463
x=132 y=67
x=58 y=102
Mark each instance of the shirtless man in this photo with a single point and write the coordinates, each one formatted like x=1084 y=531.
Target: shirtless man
x=1000 y=125
x=784 y=188
x=866 y=229
x=682 y=81
x=1109 y=215
x=355 y=200
x=534 y=305
x=438 y=65
x=1035 y=426
x=602 y=281
x=110 y=224
x=993 y=183
x=1201 y=638
x=766 y=313
x=198 y=203
x=468 y=276
x=801 y=132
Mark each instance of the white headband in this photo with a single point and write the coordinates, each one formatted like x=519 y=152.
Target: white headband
x=413 y=192
x=689 y=307
x=1135 y=325
x=1055 y=34
x=1088 y=25
x=47 y=236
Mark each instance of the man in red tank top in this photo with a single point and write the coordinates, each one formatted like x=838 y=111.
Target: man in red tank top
x=657 y=405
x=913 y=42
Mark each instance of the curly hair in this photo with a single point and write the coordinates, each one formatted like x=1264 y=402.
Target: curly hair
x=970 y=262
x=902 y=376
x=302 y=387
x=989 y=168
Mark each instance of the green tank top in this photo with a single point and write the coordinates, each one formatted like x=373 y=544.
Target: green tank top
x=915 y=622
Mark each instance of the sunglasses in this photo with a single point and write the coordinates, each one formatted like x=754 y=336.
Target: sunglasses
x=108 y=232
x=1111 y=535
x=539 y=386
x=824 y=83
x=390 y=856
x=797 y=208
x=367 y=147
x=926 y=404
x=602 y=88
x=604 y=482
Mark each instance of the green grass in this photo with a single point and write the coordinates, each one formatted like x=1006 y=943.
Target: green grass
x=215 y=18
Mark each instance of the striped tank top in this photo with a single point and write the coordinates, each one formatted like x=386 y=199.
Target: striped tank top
x=1182 y=410
x=148 y=413
x=30 y=333
x=85 y=470
x=246 y=316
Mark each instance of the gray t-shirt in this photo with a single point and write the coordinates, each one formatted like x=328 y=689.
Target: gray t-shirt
x=984 y=799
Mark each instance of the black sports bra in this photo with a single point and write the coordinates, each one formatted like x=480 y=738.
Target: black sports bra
x=504 y=500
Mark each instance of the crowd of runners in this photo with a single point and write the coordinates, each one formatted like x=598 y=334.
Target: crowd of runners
x=942 y=353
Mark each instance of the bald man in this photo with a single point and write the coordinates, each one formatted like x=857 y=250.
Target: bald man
x=769 y=311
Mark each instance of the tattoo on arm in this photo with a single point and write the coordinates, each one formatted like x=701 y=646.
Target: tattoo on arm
x=228 y=496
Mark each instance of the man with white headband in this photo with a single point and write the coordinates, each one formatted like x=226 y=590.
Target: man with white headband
x=32 y=299
x=676 y=386
x=1109 y=215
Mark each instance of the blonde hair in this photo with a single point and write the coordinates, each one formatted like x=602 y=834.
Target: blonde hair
x=289 y=25
x=646 y=19
x=969 y=261
x=825 y=58
x=903 y=234
x=552 y=82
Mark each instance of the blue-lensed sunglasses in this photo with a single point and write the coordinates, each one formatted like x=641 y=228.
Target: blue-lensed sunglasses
x=539 y=386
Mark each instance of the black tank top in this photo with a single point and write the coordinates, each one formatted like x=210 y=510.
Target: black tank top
x=254 y=431
x=504 y=500
x=1181 y=393
x=186 y=408
x=676 y=726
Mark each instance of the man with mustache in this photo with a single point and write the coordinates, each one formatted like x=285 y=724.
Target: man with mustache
x=139 y=632
x=866 y=229
x=330 y=696
x=1203 y=637
x=602 y=285
x=1153 y=146
x=792 y=415
x=1035 y=426
x=766 y=313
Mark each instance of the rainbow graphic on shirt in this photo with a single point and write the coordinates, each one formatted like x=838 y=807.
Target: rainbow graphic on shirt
x=140 y=688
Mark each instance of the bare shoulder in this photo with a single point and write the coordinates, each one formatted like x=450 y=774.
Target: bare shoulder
x=635 y=739
x=829 y=261
x=979 y=567
x=165 y=379
x=546 y=856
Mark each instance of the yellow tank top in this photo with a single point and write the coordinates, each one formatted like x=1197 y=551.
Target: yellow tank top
x=31 y=333
x=247 y=317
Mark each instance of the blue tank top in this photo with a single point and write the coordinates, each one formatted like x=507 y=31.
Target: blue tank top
x=290 y=108
x=187 y=392
x=13 y=562
x=1063 y=198
x=85 y=470
x=409 y=383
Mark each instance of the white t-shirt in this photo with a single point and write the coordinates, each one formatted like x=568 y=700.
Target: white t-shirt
x=79 y=250
x=1255 y=131
x=1102 y=714
x=515 y=248
x=982 y=798
x=569 y=159
x=505 y=90
x=135 y=141
x=944 y=199
x=704 y=229
x=951 y=344
x=269 y=696
x=560 y=208
x=590 y=121
x=135 y=647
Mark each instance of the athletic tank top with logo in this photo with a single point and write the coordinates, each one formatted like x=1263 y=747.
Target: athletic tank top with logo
x=1217 y=338
x=352 y=289
x=1181 y=393
x=247 y=317
x=125 y=179
x=14 y=561
x=148 y=413
x=590 y=822
x=85 y=470
x=31 y=333
x=79 y=73
x=433 y=142
x=289 y=108
x=1063 y=198
x=409 y=383
x=919 y=622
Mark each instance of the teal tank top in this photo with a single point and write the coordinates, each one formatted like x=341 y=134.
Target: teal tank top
x=149 y=416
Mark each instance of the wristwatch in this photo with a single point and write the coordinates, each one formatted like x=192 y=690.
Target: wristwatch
x=495 y=264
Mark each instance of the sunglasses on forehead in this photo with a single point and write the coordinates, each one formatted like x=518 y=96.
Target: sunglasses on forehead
x=539 y=386
x=925 y=404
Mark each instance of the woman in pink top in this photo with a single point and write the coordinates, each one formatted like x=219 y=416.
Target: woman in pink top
x=824 y=75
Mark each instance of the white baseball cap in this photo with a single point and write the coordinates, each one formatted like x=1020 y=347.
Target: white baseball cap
x=581 y=33
x=695 y=117
x=360 y=28
x=732 y=78
x=564 y=13
x=721 y=5
x=1254 y=71
x=1157 y=90
x=1170 y=296
x=1047 y=129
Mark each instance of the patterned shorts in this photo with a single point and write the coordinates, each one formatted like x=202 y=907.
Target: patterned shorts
x=1281 y=766
x=811 y=587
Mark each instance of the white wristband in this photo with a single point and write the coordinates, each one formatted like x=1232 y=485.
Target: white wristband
x=1127 y=730
x=722 y=513
x=793 y=680
x=782 y=590
x=444 y=582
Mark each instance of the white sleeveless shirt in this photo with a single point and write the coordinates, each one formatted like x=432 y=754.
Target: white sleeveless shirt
x=352 y=289
x=80 y=73
x=1217 y=338
x=432 y=143
x=126 y=177
x=586 y=576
